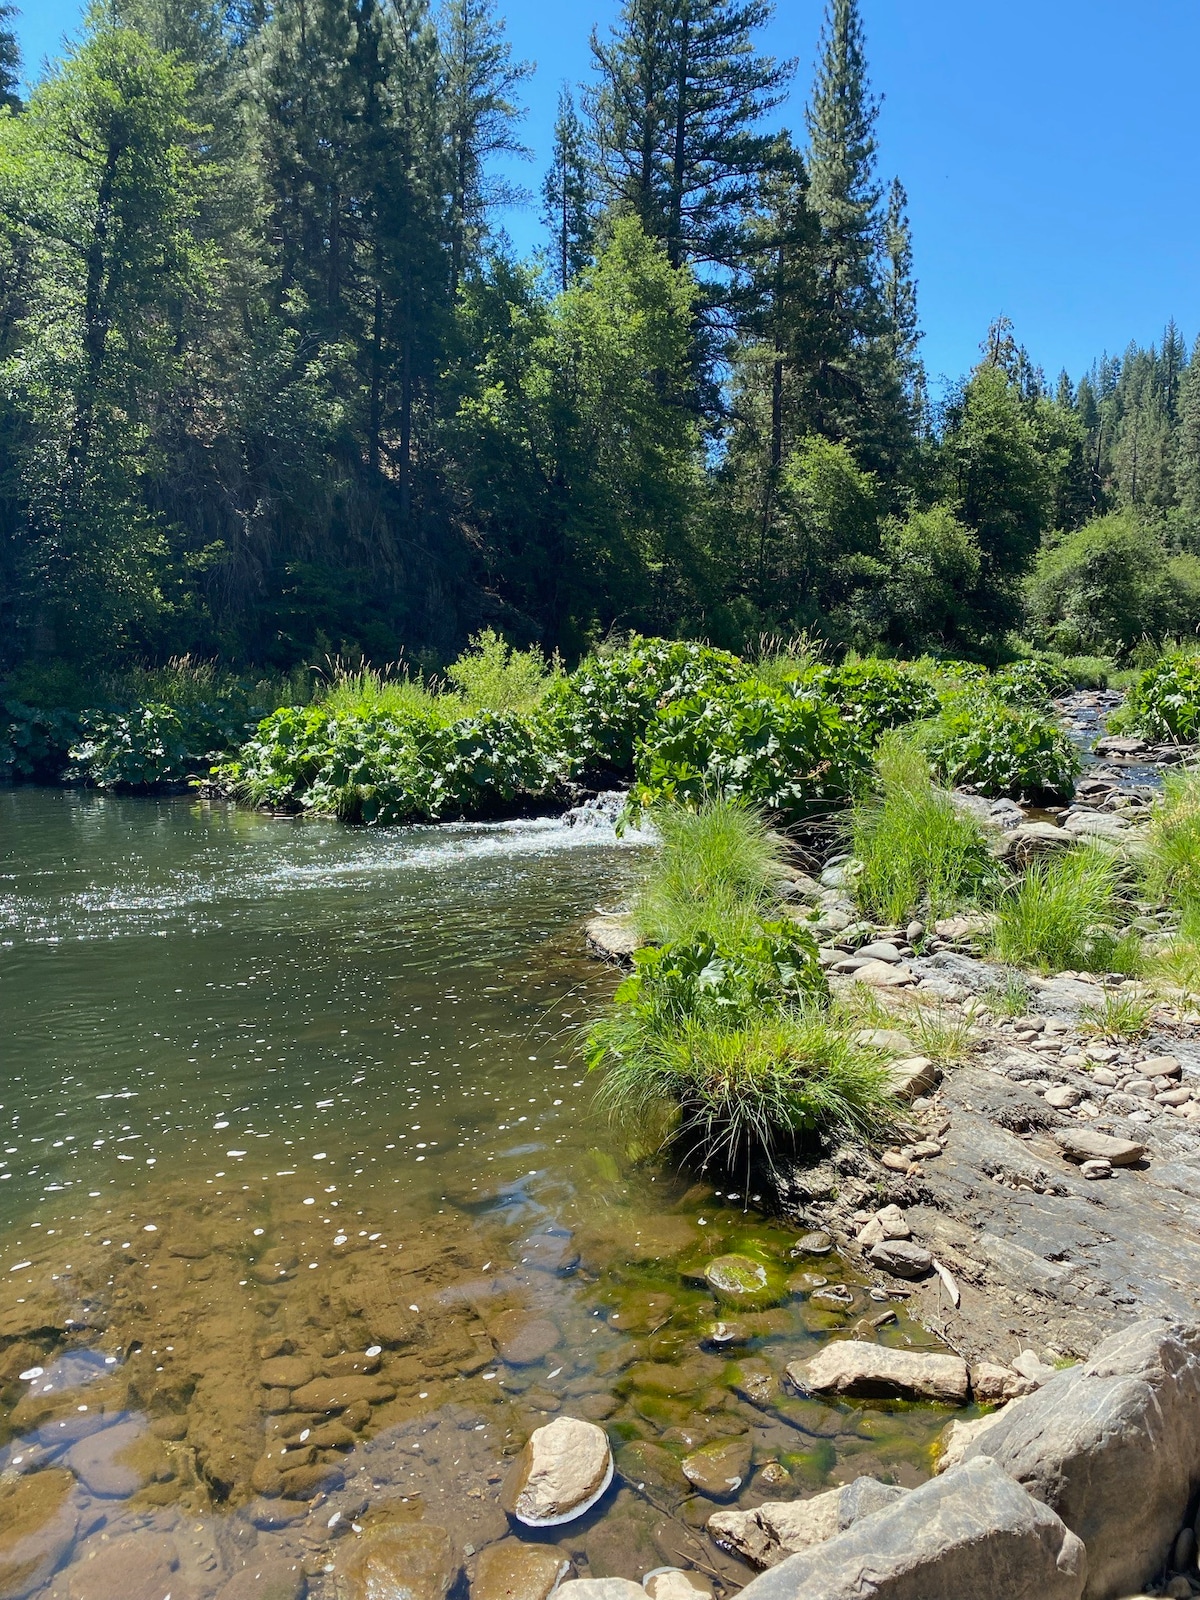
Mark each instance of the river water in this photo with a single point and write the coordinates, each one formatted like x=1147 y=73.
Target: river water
x=305 y=1208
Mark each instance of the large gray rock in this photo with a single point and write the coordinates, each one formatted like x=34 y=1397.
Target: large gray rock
x=561 y=1473
x=1113 y=1445
x=771 y=1532
x=855 y=1367
x=973 y=1534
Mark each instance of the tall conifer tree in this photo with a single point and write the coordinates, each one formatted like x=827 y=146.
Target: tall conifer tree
x=568 y=195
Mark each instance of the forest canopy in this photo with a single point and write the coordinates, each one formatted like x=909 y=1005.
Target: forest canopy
x=274 y=384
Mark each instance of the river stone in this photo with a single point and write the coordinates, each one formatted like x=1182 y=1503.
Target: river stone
x=1081 y=1144
x=266 y=1578
x=398 y=1561
x=1159 y=1067
x=140 y=1566
x=97 y=1461
x=37 y=1528
x=672 y=1583
x=522 y=1338
x=994 y=1384
x=879 y=950
x=915 y=1075
x=1062 y=1096
x=1032 y=838
x=817 y=1243
x=1113 y=1446
x=884 y=975
x=901 y=1258
x=286 y=1372
x=1095 y=825
x=600 y=1589
x=740 y=1281
x=561 y=1473
x=779 y=1528
x=337 y=1394
x=612 y=939
x=955 y=1439
x=972 y=1534
x=854 y=1367
x=511 y=1570
x=719 y=1469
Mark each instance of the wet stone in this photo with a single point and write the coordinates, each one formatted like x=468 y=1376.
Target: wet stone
x=562 y=1472
x=286 y=1372
x=302 y=1483
x=336 y=1394
x=37 y=1528
x=142 y=1566
x=522 y=1338
x=511 y=1570
x=719 y=1469
x=273 y=1578
x=741 y=1281
x=813 y=1244
x=101 y=1462
x=672 y=1583
x=415 y=1561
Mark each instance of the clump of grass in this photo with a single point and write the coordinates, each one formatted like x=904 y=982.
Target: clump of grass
x=349 y=691
x=1178 y=961
x=1171 y=857
x=943 y=1035
x=718 y=868
x=780 y=661
x=749 y=1092
x=1010 y=996
x=491 y=676
x=920 y=853
x=1119 y=1015
x=1063 y=913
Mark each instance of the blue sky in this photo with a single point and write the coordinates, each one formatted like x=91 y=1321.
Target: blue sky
x=1048 y=148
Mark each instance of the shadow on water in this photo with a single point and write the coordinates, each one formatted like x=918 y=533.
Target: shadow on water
x=306 y=1209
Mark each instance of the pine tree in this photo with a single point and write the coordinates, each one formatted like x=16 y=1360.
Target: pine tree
x=681 y=92
x=903 y=331
x=1187 y=467
x=10 y=58
x=568 y=196
x=479 y=84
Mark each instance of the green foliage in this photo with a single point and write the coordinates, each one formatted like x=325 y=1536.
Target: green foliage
x=1035 y=681
x=365 y=692
x=1170 y=859
x=874 y=696
x=156 y=744
x=999 y=749
x=920 y=853
x=717 y=866
x=596 y=720
x=926 y=594
x=34 y=744
x=1164 y=703
x=1064 y=913
x=1119 y=1016
x=491 y=676
x=789 y=754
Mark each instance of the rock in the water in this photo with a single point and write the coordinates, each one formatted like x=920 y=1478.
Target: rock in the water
x=612 y=939
x=522 y=1338
x=742 y=1281
x=337 y=1394
x=37 y=1528
x=972 y=1534
x=901 y=1258
x=817 y=1243
x=1081 y=1144
x=286 y=1372
x=994 y=1384
x=267 y=1578
x=1095 y=825
x=913 y=1076
x=561 y=1473
x=600 y=1589
x=140 y=1566
x=511 y=1570
x=1113 y=1446
x=397 y=1561
x=719 y=1469
x=779 y=1528
x=100 y=1461
x=672 y=1583
x=851 y=1366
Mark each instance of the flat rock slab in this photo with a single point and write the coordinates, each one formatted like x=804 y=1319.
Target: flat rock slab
x=140 y=1566
x=612 y=939
x=522 y=1338
x=600 y=1589
x=336 y=1394
x=562 y=1472
x=37 y=1529
x=854 y=1367
x=1082 y=1144
x=511 y=1570
x=901 y=1258
x=268 y=1578
x=973 y=1534
x=884 y=975
x=411 y=1561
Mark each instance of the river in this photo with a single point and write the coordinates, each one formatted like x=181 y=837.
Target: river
x=289 y=1104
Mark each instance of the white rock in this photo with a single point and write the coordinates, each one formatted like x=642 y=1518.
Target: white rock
x=852 y=1366
x=561 y=1473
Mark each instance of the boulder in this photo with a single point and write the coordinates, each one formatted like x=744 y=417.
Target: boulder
x=1095 y=825
x=779 y=1528
x=955 y=1439
x=612 y=939
x=397 y=1561
x=37 y=1528
x=972 y=1534
x=1033 y=838
x=719 y=1469
x=994 y=1384
x=266 y=1578
x=561 y=1473
x=901 y=1257
x=913 y=1076
x=511 y=1570
x=884 y=975
x=854 y=1367
x=1112 y=1446
x=1081 y=1144
x=139 y=1566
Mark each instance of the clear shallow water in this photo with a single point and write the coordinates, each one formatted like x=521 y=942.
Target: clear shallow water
x=283 y=1091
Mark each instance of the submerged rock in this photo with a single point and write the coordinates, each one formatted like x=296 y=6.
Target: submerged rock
x=719 y=1469
x=521 y=1338
x=779 y=1528
x=37 y=1529
x=672 y=1583
x=741 y=1281
x=511 y=1570
x=601 y=1589
x=562 y=1472
x=853 y=1367
x=410 y=1561
x=140 y=1566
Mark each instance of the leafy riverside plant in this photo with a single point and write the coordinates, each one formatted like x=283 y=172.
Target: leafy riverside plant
x=1171 y=855
x=1164 y=703
x=919 y=852
x=999 y=749
x=874 y=696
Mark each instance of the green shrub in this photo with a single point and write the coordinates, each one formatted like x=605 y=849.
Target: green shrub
x=1032 y=682
x=34 y=745
x=1088 y=672
x=788 y=754
x=999 y=749
x=491 y=676
x=592 y=723
x=1171 y=856
x=874 y=696
x=156 y=744
x=717 y=866
x=1164 y=703
x=1065 y=913
x=920 y=853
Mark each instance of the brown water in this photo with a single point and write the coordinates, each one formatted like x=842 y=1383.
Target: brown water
x=305 y=1208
